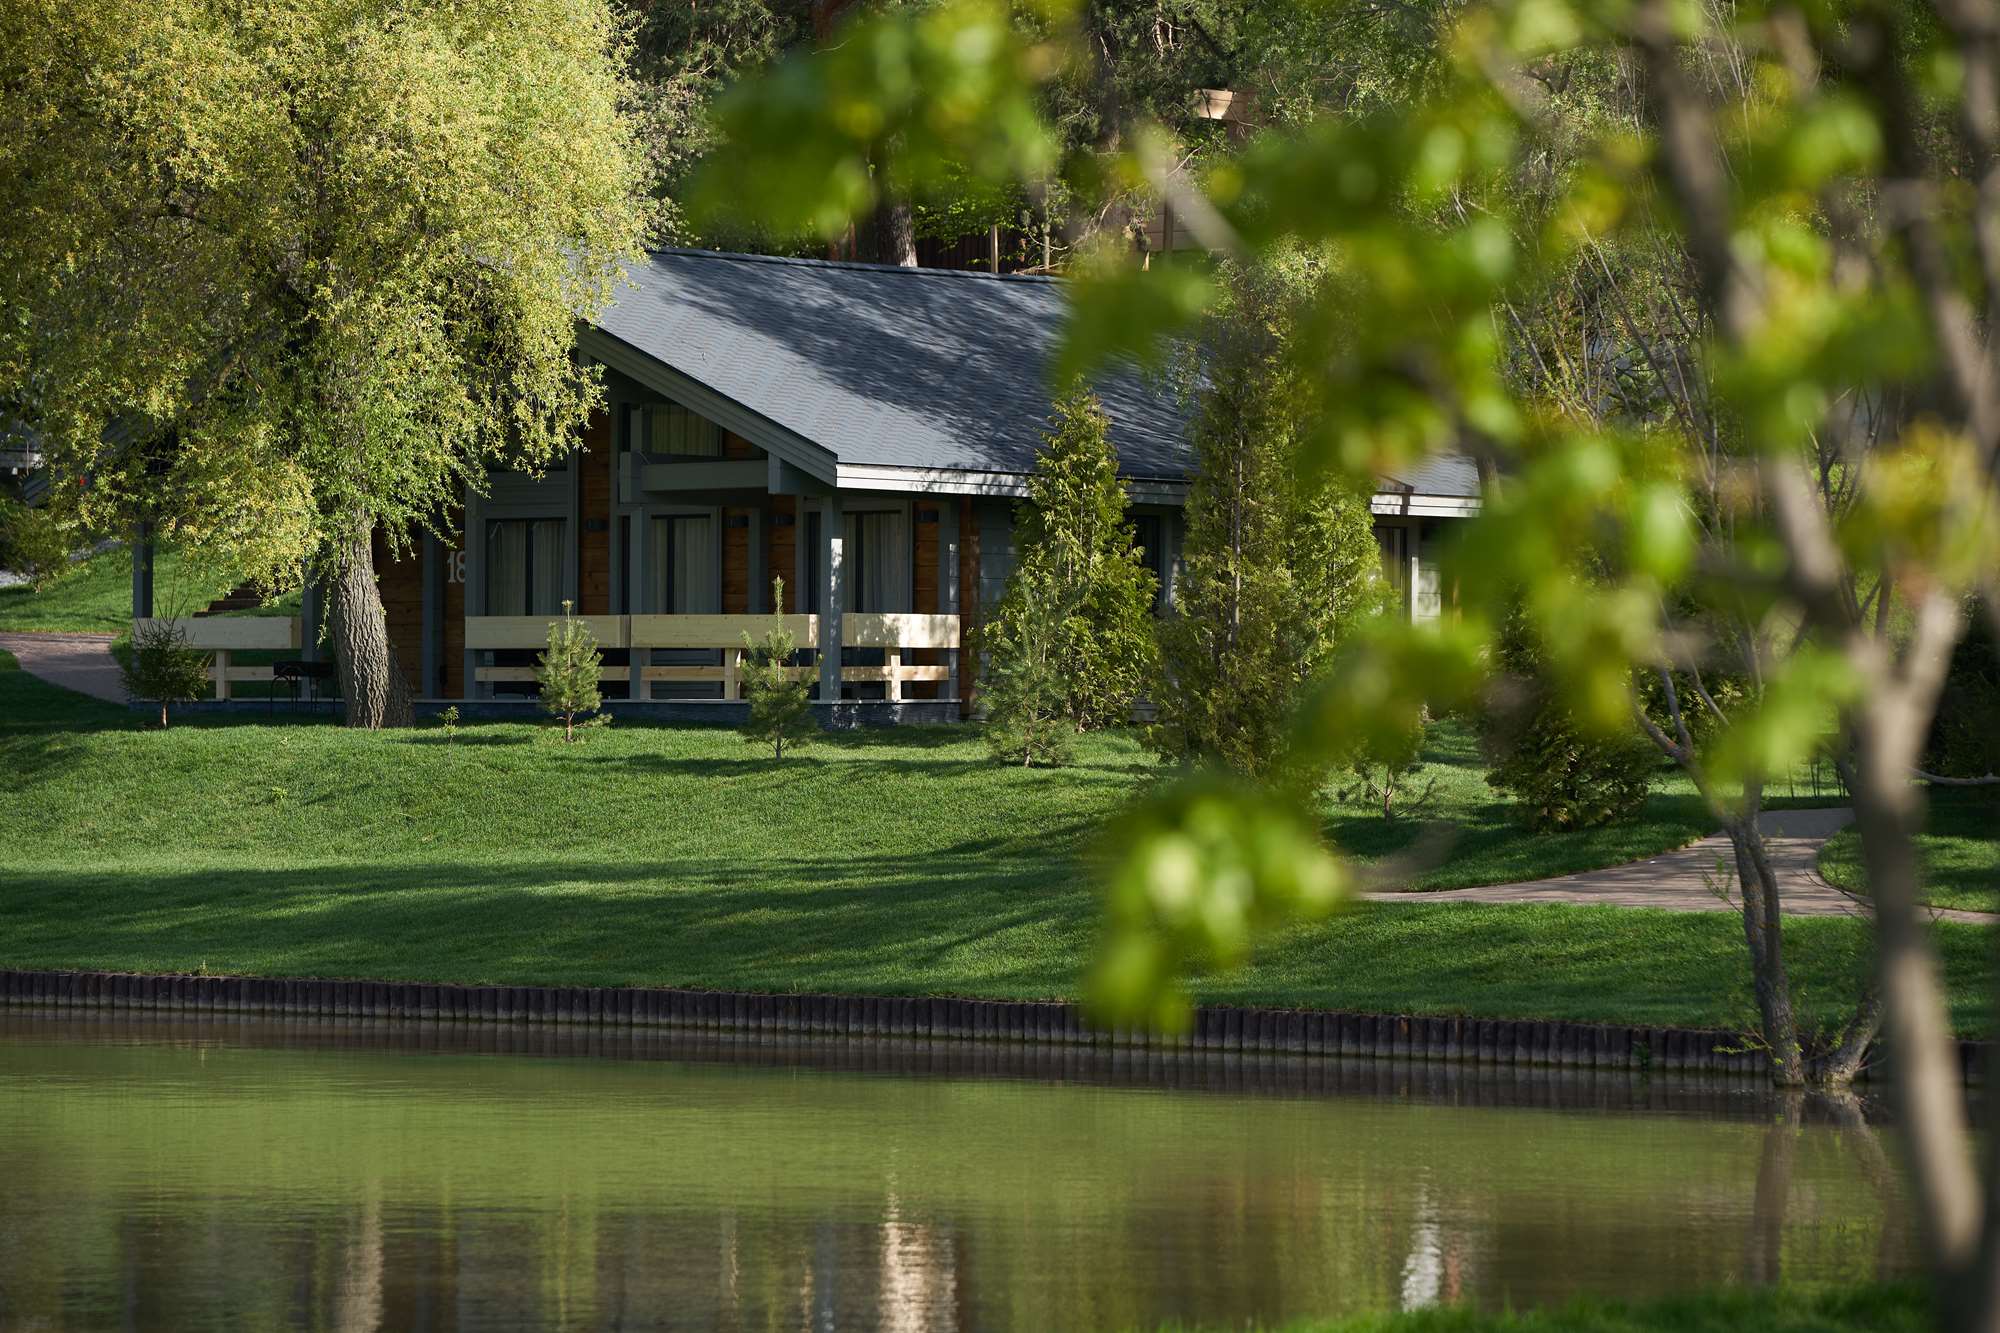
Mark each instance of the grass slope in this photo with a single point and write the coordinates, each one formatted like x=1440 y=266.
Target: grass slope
x=1960 y=846
x=95 y=596
x=893 y=862
x=1898 y=1308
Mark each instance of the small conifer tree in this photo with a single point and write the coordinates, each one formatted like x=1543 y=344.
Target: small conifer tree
x=162 y=668
x=1075 y=539
x=567 y=671
x=780 y=702
x=1027 y=690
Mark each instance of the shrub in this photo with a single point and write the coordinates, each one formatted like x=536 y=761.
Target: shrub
x=1028 y=721
x=32 y=544
x=780 y=702
x=161 y=668
x=1073 y=536
x=567 y=671
x=1965 y=735
x=1563 y=774
x=1386 y=776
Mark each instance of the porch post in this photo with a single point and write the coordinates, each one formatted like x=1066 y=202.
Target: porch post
x=309 y=598
x=641 y=602
x=947 y=602
x=433 y=640
x=832 y=596
x=759 y=576
x=475 y=583
x=142 y=573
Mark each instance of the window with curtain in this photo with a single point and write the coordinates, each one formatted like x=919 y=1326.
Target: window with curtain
x=1149 y=533
x=686 y=580
x=674 y=430
x=1394 y=544
x=524 y=567
x=878 y=562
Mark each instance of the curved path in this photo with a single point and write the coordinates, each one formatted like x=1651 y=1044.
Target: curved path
x=80 y=662
x=1687 y=880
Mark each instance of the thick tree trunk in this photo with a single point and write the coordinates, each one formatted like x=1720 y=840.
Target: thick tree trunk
x=371 y=680
x=893 y=234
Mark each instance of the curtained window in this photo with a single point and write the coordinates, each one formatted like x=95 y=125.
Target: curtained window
x=524 y=567
x=674 y=431
x=1394 y=543
x=685 y=578
x=878 y=562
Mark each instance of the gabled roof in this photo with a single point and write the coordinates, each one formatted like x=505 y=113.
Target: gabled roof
x=875 y=376
x=883 y=367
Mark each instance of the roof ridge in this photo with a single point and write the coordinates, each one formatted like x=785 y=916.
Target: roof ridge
x=910 y=270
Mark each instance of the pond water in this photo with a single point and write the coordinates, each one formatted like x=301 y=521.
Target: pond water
x=266 y=1174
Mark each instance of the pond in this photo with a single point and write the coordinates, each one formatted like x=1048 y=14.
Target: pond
x=272 y=1173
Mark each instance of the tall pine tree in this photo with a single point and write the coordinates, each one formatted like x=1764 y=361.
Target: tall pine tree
x=1277 y=565
x=1074 y=537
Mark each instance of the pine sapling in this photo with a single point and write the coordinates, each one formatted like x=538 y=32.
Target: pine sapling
x=162 y=668
x=567 y=671
x=780 y=701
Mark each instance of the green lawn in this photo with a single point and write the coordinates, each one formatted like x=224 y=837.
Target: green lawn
x=895 y=862
x=95 y=596
x=1899 y=1308
x=1960 y=847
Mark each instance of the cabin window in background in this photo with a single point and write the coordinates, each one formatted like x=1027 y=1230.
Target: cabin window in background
x=1149 y=532
x=686 y=579
x=675 y=432
x=878 y=561
x=524 y=567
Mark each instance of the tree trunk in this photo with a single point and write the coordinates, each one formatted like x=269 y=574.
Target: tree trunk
x=1762 y=931
x=371 y=680
x=893 y=234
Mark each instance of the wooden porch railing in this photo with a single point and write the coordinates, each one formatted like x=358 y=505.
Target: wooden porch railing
x=896 y=634
x=223 y=635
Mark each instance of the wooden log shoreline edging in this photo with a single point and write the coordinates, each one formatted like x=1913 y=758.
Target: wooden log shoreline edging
x=1216 y=1028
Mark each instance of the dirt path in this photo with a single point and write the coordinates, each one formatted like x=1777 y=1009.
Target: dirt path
x=80 y=662
x=1681 y=881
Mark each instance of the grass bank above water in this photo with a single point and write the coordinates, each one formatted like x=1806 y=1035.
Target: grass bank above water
x=896 y=862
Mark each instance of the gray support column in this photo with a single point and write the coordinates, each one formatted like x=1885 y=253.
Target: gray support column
x=639 y=658
x=832 y=596
x=759 y=577
x=142 y=573
x=802 y=596
x=948 y=584
x=475 y=582
x=309 y=618
x=433 y=640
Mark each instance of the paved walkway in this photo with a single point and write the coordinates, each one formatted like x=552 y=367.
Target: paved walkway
x=80 y=662
x=1685 y=881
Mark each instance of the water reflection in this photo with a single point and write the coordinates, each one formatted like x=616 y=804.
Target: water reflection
x=356 y=1177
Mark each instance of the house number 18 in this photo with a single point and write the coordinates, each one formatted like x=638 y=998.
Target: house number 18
x=454 y=567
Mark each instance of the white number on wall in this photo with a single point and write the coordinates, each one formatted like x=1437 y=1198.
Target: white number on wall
x=454 y=567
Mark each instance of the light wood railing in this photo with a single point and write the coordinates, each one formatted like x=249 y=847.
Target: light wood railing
x=896 y=634
x=223 y=635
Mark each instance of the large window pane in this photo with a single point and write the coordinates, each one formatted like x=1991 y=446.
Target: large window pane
x=677 y=432
x=524 y=567
x=685 y=578
x=878 y=562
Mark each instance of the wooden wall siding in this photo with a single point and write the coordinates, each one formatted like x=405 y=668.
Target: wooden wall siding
x=968 y=604
x=593 y=555
x=782 y=547
x=401 y=581
x=735 y=562
x=735 y=446
x=453 y=668
x=924 y=595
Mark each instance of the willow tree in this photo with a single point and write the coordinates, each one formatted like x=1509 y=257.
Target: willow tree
x=279 y=276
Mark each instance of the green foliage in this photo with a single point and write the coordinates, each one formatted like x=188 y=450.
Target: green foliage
x=1887 y=1308
x=161 y=668
x=32 y=543
x=1026 y=690
x=447 y=721
x=1965 y=737
x=1562 y=774
x=1278 y=565
x=320 y=261
x=566 y=672
x=1076 y=559
x=780 y=699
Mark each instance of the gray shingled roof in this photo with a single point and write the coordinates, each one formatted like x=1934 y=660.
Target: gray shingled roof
x=902 y=367
x=883 y=366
